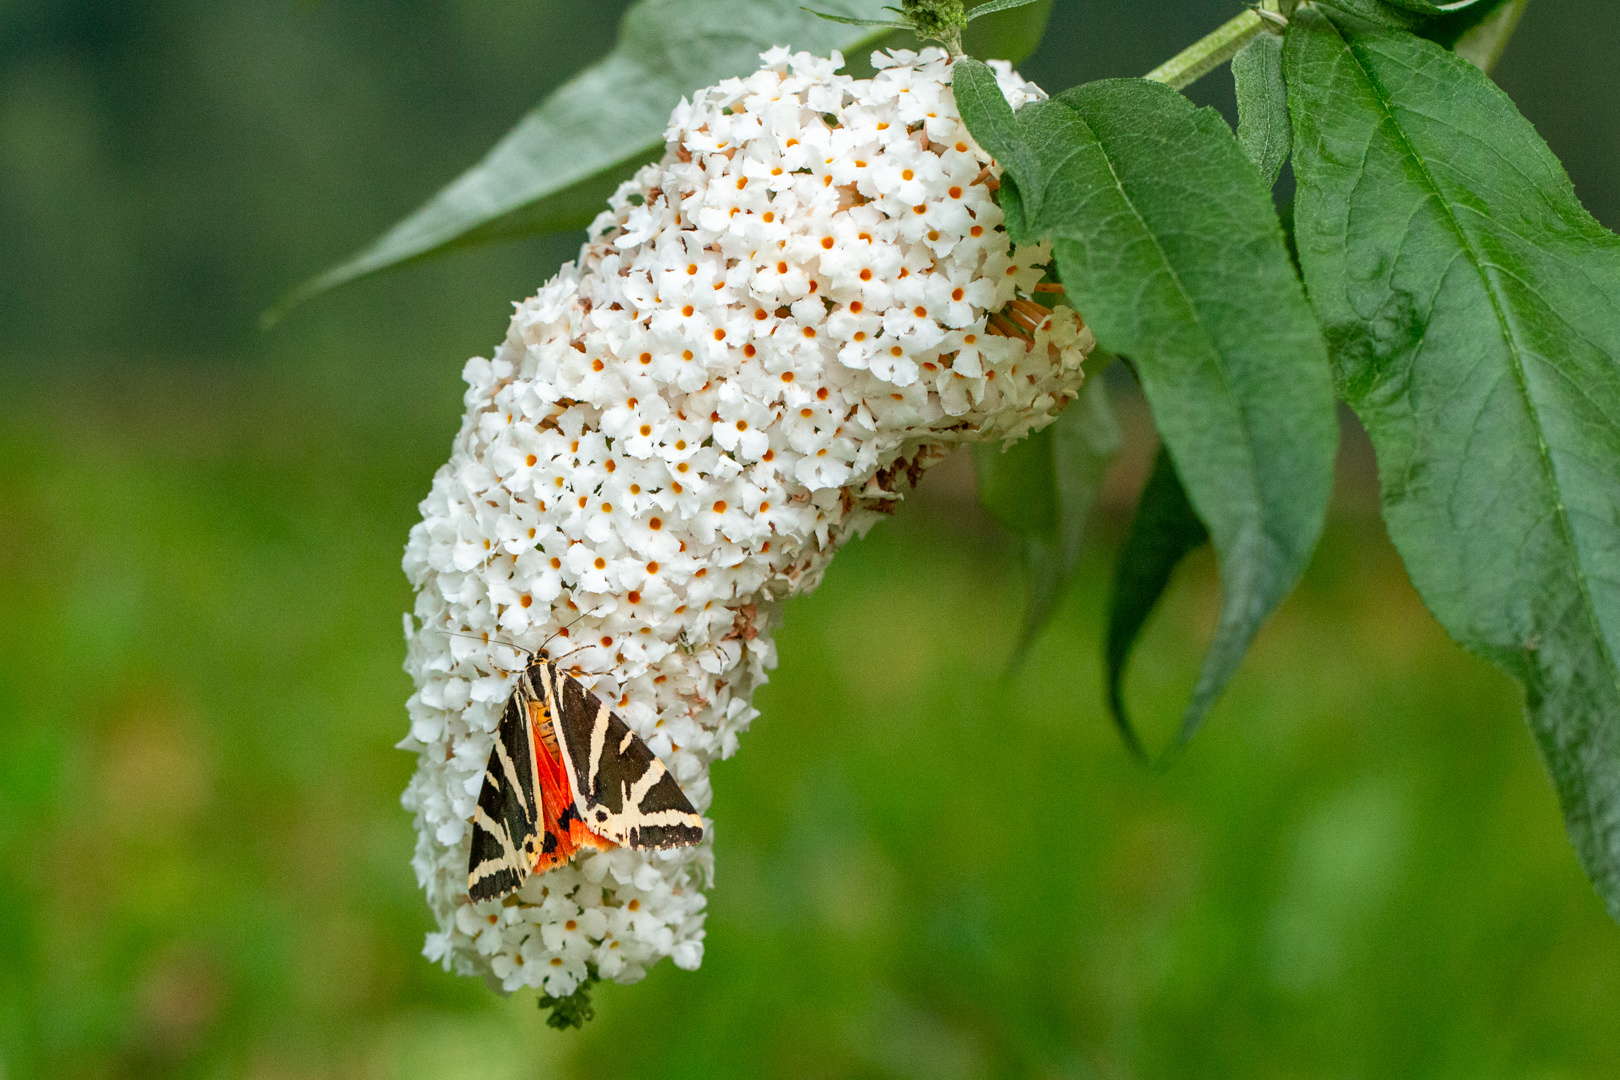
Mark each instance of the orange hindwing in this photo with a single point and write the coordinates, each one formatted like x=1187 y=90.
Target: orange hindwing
x=562 y=833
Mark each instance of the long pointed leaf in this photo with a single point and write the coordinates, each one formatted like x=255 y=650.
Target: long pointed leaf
x=1018 y=486
x=1447 y=24
x=1164 y=530
x=992 y=7
x=848 y=21
x=1084 y=441
x=1043 y=488
x=1166 y=239
x=1263 y=128
x=1473 y=306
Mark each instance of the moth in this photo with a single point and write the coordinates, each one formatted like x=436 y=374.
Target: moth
x=566 y=773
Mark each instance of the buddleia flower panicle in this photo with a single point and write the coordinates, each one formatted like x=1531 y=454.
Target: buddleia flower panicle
x=768 y=337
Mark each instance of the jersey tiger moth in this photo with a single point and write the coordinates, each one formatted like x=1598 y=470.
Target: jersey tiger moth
x=567 y=773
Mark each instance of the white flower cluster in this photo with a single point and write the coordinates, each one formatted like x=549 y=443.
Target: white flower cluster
x=767 y=338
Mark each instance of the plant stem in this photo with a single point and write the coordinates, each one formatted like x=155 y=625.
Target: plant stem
x=1482 y=46
x=1208 y=53
x=1215 y=49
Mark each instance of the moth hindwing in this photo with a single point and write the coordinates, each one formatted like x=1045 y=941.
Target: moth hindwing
x=621 y=789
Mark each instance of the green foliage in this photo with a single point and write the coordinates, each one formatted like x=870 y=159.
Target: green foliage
x=1164 y=530
x=996 y=7
x=1013 y=34
x=1382 y=12
x=850 y=20
x=1481 y=42
x=1154 y=213
x=1429 y=7
x=556 y=168
x=1018 y=484
x=1263 y=130
x=1043 y=488
x=1474 y=312
x=1448 y=24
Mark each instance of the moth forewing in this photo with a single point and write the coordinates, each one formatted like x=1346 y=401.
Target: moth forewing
x=622 y=790
x=506 y=818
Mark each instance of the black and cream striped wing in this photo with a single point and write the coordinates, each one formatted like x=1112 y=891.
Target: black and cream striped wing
x=621 y=789
x=506 y=822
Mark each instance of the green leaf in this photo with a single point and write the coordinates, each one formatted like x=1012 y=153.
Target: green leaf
x=847 y=21
x=1382 y=12
x=1263 y=130
x=555 y=170
x=1010 y=37
x=1085 y=439
x=1429 y=7
x=1473 y=307
x=993 y=6
x=1043 y=489
x=1001 y=134
x=1018 y=485
x=1164 y=530
x=1166 y=239
x=1448 y=24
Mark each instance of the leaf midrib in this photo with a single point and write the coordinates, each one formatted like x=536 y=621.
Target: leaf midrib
x=1548 y=468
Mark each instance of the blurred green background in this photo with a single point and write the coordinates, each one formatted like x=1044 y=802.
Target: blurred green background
x=1358 y=870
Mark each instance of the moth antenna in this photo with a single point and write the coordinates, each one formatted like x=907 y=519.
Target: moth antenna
x=571 y=652
x=559 y=630
x=487 y=640
x=530 y=653
x=582 y=648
